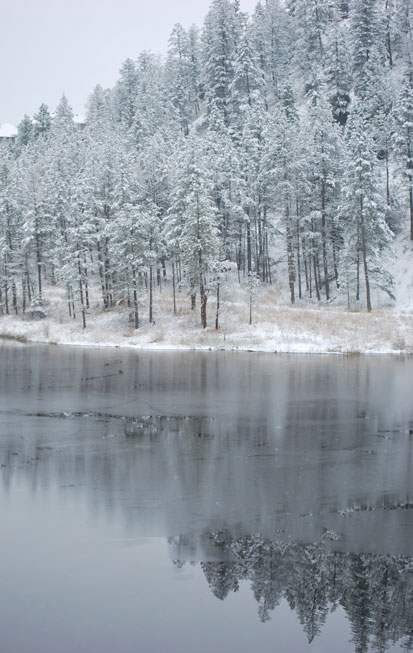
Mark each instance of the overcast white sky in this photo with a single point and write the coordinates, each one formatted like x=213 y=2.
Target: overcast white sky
x=51 y=47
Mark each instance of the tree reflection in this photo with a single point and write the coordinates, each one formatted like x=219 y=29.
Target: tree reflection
x=375 y=591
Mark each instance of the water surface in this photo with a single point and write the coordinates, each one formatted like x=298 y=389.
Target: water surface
x=189 y=501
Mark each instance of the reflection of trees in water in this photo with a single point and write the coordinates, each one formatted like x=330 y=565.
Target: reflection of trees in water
x=375 y=591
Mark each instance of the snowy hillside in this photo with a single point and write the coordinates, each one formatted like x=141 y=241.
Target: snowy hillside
x=262 y=172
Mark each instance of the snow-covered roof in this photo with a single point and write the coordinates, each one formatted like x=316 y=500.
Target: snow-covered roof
x=78 y=119
x=7 y=131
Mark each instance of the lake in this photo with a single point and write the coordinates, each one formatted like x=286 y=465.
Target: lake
x=182 y=501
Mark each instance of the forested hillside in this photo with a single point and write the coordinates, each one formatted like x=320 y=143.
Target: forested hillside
x=262 y=148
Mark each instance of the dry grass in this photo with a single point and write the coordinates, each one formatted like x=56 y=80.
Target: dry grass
x=277 y=326
x=13 y=337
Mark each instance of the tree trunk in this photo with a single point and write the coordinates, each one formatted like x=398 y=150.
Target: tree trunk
x=202 y=294
x=290 y=255
x=101 y=275
x=83 y=316
x=135 y=299
x=365 y=267
x=217 y=311
x=27 y=276
x=297 y=235
x=14 y=296
x=316 y=280
x=151 y=294
x=39 y=266
x=82 y=303
x=203 y=301
x=174 y=286
x=411 y=211
x=387 y=178
x=335 y=264
x=358 y=277
x=324 y=239
x=6 y=297
x=24 y=300
x=69 y=303
x=86 y=281
x=239 y=255
x=249 y=261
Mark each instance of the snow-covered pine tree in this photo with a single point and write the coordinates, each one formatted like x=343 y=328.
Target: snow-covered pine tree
x=228 y=188
x=24 y=133
x=404 y=35
x=10 y=237
x=37 y=230
x=338 y=71
x=192 y=220
x=42 y=122
x=367 y=39
x=103 y=193
x=155 y=111
x=403 y=142
x=219 y=40
x=125 y=94
x=179 y=76
x=279 y=167
x=363 y=208
x=310 y=20
x=63 y=159
x=247 y=88
x=250 y=151
x=324 y=169
x=277 y=44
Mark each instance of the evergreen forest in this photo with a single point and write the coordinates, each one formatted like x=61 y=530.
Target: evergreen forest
x=276 y=146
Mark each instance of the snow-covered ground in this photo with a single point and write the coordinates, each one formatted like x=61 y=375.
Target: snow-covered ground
x=277 y=326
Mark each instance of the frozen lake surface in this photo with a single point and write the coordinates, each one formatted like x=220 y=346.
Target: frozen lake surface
x=204 y=501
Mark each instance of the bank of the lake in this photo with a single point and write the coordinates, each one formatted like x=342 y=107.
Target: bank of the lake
x=276 y=327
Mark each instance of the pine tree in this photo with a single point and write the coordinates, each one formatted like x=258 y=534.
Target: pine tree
x=277 y=47
x=223 y=162
x=280 y=161
x=403 y=142
x=37 y=229
x=195 y=68
x=251 y=150
x=126 y=92
x=367 y=43
x=155 y=112
x=338 y=72
x=324 y=171
x=310 y=20
x=24 y=133
x=404 y=30
x=247 y=89
x=63 y=160
x=366 y=233
x=10 y=238
x=193 y=221
x=220 y=38
x=42 y=122
x=179 y=76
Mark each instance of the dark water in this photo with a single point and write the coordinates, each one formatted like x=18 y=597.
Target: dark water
x=198 y=501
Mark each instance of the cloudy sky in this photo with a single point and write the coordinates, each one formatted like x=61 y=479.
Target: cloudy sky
x=51 y=47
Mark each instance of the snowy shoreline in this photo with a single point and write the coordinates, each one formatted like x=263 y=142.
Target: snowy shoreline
x=276 y=329
x=6 y=340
